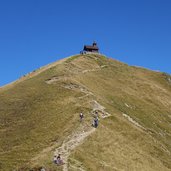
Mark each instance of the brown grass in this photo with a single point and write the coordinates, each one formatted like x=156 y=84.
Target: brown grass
x=35 y=117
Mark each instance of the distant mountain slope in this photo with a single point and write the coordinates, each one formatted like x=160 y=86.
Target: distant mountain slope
x=41 y=111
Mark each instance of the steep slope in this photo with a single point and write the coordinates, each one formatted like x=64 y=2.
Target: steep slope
x=39 y=116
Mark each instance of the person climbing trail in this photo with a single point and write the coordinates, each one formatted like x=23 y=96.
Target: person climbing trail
x=81 y=117
x=57 y=160
x=95 y=122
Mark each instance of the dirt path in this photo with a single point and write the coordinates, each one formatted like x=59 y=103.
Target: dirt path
x=79 y=136
x=71 y=143
x=82 y=132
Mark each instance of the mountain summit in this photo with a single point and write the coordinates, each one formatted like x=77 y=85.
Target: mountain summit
x=39 y=117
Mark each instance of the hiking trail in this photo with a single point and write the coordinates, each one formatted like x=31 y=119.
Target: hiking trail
x=71 y=143
x=78 y=137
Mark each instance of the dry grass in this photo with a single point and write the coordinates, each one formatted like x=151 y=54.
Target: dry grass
x=35 y=117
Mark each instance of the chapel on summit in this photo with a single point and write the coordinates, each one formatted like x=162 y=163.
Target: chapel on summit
x=90 y=48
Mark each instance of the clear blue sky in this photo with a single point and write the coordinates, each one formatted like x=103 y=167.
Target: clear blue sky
x=34 y=33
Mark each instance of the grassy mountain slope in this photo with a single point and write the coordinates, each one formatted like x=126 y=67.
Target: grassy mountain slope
x=39 y=111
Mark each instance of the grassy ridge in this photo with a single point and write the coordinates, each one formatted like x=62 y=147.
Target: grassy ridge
x=33 y=116
x=39 y=112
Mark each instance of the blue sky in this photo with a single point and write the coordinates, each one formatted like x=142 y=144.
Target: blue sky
x=34 y=33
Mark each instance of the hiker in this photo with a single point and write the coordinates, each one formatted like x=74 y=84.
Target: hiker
x=81 y=117
x=59 y=160
x=95 y=122
x=55 y=159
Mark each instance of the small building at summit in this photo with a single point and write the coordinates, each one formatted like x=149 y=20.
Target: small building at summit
x=90 y=48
